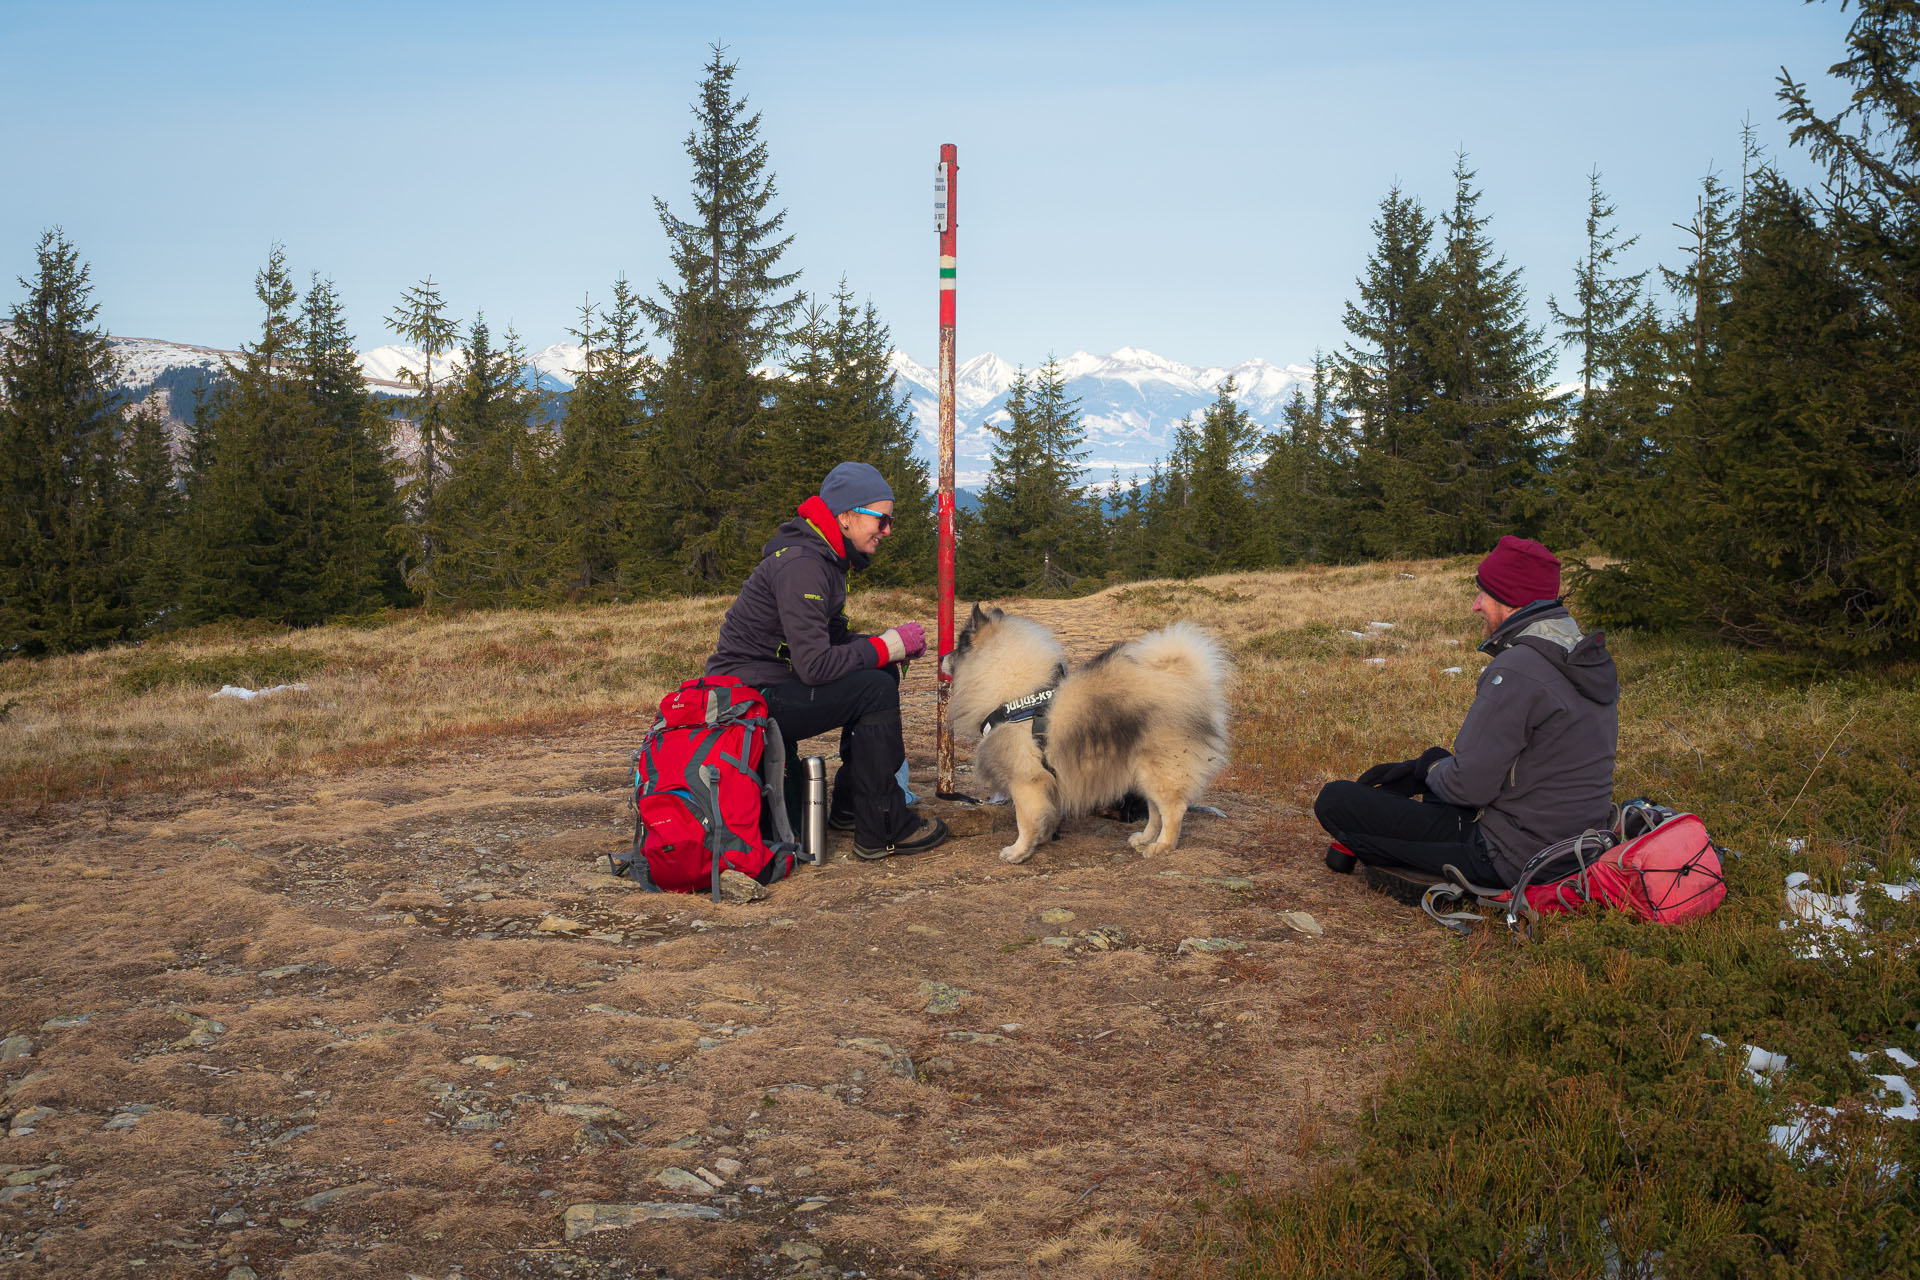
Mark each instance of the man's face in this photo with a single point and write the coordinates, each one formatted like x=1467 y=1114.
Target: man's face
x=1492 y=613
x=864 y=531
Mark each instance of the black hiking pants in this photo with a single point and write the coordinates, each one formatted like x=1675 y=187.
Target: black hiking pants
x=1387 y=825
x=865 y=708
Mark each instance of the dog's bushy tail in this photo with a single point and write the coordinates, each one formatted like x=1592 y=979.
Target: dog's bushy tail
x=1184 y=649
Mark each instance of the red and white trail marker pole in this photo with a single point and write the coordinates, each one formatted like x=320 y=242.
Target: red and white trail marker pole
x=945 y=203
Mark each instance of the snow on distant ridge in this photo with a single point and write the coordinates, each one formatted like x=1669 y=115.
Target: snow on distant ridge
x=1130 y=399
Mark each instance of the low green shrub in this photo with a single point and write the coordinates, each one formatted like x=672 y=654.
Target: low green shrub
x=256 y=669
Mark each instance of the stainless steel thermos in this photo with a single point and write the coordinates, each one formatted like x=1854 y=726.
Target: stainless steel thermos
x=813 y=816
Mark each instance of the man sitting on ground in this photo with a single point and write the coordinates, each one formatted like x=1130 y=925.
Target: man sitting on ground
x=787 y=635
x=1532 y=764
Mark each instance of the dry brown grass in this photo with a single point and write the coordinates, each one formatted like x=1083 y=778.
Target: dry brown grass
x=132 y=719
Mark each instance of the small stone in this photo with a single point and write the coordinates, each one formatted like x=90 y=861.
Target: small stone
x=242 y=1273
x=711 y=1178
x=293 y=1224
x=902 y=1066
x=27 y=1177
x=25 y=1121
x=490 y=1062
x=325 y=1198
x=584 y=1219
x=682 y=1182
x=738 y=887
x=784 y=922
x=10 y=1194
x=803 y=1171
x=942 y=998
x=67 y=1022
x=870 y=1045
x=728 y=1168
x=800 y=1251
x=926 y=931
x=1056 y=942
x=1055 y=915
x=1189 y=946
x=480 y=1122
x=809 y=1206
x=15 y=1047
x=231 y=1218
x=587 y=1111
x=1301 y=922
x=977 y=1037
x=559 y=924
x=284 y=971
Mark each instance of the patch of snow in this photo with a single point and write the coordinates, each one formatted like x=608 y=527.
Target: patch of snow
x=1449 y=671
x=248 y=695
x=1381 y=626
x=1378 y=662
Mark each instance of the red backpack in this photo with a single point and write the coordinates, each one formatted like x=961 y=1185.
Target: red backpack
x=1656 y=863
x=712 y=764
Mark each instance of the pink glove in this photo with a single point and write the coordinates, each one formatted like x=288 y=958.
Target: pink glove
x=900 y=644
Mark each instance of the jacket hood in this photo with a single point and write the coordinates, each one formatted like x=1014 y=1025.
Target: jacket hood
x=815 y=528
x=1550 y=631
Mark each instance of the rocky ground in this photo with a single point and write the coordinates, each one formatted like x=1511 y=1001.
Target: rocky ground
x=402 y=1021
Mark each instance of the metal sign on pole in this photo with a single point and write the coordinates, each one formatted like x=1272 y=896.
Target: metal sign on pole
x=945 y=202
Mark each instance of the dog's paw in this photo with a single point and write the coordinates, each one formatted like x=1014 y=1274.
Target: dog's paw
x=1014 y=853
x=1155 y=849
x=1138 y=839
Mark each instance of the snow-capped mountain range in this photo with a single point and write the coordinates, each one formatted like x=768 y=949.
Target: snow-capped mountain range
x=1130 y=400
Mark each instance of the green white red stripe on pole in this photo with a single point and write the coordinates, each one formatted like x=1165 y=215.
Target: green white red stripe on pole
x=945 y=206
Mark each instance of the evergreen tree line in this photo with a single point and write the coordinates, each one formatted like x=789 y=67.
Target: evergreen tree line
x=299 y=496
x=1743 y=441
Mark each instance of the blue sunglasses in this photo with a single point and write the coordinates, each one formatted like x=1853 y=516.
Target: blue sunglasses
x=886 y=521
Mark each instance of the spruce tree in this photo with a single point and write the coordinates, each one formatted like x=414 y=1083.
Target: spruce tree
x=1035 y=531
x=1387 y=384
x=1493 y=406
x=422 y=319
x=1613 y=331
x=492 y=502
x=1212 y=528
x=603 y=535
x=727 y=311
x=1301 y=487
x=149 y=519
x=840 y=401
x=362 y=516
x=63 y=582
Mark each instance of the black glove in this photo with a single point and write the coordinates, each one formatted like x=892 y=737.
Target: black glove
x=1405 y=771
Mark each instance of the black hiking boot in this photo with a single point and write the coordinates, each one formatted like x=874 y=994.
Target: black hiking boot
x=928 y=834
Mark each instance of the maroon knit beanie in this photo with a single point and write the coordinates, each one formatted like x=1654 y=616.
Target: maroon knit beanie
x=1519 y=571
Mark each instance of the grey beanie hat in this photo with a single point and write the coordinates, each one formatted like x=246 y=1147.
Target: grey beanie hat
x=854 y=484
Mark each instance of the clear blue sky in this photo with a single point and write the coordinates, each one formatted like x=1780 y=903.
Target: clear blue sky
x=1193 y=179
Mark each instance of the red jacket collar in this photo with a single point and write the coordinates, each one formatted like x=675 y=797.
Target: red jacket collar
x=816 y=513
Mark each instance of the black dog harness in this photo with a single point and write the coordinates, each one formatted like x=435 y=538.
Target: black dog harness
x=1036 y=707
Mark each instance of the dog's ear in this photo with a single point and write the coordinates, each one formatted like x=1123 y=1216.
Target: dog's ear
x=979 y=618
x=998 y=614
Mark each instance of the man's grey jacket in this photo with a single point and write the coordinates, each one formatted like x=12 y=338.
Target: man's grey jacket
x=1535 y=755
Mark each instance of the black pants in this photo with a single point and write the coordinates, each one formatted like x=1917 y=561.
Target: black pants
x=1382 y=824
x=865 y=708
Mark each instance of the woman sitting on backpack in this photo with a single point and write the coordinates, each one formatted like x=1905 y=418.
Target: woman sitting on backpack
x=1531 y=766
x=787 y=635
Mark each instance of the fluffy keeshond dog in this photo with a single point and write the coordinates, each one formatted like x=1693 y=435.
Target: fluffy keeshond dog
x=1148 y=716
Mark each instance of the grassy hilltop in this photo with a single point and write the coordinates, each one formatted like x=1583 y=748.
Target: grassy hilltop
x=339 y=961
